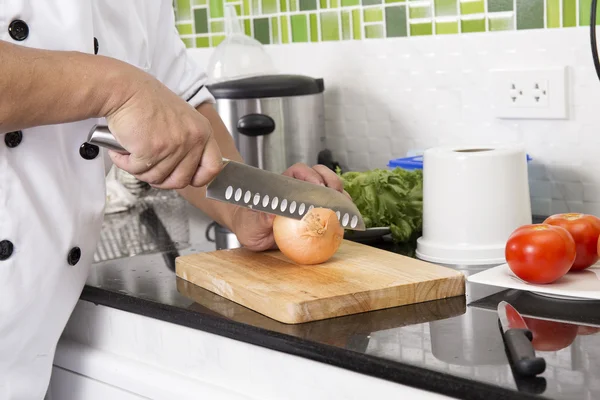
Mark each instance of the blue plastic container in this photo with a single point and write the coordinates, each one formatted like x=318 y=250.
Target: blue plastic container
x=415 y=162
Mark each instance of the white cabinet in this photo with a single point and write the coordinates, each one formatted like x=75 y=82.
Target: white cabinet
x=106 y=353
x=67 y=385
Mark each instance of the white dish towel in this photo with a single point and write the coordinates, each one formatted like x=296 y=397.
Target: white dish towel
x=118 y=198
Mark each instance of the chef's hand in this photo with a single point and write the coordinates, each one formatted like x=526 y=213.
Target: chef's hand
x=171 y=145
x=254 y=229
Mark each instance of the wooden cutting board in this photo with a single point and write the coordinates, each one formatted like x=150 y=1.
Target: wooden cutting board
x=356 y=279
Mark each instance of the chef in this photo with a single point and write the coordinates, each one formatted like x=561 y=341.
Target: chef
x=66 y=65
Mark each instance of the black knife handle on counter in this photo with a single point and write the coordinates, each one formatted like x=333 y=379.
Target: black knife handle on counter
x=522 y=354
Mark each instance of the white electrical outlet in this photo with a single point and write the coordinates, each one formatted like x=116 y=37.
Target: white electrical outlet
x=530 y=93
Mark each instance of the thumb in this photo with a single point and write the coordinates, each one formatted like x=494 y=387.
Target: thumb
x=255 y=221
x=120 y=160
x=254 y=229
x=265 y=220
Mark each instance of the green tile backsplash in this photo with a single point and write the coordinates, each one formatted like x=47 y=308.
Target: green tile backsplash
x=200 y=23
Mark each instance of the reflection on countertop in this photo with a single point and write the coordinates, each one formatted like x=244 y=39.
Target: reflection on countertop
x=451 y=346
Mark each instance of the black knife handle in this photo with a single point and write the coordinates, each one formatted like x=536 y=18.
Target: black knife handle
x=522 y=353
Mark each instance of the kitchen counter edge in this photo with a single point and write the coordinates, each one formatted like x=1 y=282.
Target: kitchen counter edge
x=401 y=373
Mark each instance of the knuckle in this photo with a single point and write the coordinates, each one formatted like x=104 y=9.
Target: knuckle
x=180 y=183
x=197 y=131
x=324 y=169
x=202 y=178
x=212 y=171
x=153 y=178
x=160 y=146
x=200 y=137
x=181 y=179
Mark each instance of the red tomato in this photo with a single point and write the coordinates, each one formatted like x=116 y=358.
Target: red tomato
x=551 y=335
x=540 y=253
x=585 y=230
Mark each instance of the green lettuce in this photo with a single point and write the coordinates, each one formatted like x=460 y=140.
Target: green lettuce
x=388 y=198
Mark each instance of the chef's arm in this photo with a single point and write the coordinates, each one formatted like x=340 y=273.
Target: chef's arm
x=217 y=211
x=45 y=87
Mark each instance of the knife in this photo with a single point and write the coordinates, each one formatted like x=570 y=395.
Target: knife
x=517 y=339
x=261 y=190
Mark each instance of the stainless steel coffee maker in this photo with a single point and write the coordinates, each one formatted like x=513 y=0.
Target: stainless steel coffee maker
x=275 y=120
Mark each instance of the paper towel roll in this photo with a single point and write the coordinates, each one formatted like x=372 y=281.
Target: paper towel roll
x=474 y=197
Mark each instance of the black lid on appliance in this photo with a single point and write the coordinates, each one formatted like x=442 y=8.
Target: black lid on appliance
x=266 y=86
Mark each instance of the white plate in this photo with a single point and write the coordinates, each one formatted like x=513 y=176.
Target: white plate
x=580 y=285
x=535 y=316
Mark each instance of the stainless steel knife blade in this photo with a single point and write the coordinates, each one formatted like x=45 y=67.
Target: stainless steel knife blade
x=262 y=190
x=273 y=193
x=518 y=341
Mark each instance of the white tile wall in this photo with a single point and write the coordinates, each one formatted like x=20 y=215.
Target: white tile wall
x=387 y=97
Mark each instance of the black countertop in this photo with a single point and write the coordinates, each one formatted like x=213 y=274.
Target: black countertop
x=450 y=346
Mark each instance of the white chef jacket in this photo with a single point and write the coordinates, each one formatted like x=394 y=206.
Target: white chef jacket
x=52 y=187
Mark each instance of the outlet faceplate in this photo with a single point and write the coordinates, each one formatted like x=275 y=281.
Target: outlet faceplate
x=530 y=93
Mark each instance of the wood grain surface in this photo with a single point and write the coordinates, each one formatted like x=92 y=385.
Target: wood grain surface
x=357 y=279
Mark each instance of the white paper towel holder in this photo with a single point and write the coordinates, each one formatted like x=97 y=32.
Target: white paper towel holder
x=474 y=197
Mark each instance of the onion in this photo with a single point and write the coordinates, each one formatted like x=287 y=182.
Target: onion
x=312 y=240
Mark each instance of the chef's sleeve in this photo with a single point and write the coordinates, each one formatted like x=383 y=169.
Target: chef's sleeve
x=173 y=66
